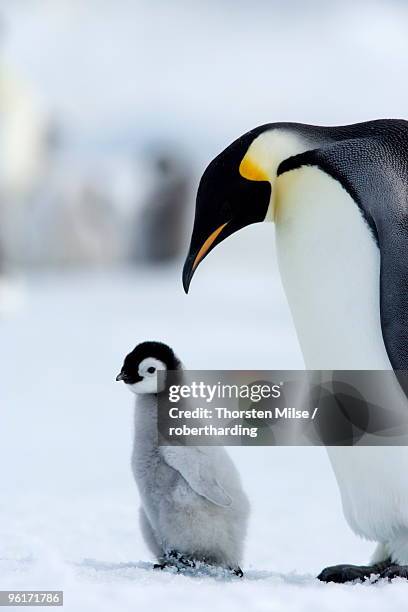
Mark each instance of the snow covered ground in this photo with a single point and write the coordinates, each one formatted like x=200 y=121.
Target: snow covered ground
x=68 y=505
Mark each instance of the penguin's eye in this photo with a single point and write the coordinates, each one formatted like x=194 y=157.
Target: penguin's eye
x=150 y=366
x=226 y=209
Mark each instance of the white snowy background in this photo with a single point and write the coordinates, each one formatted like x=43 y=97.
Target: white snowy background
x=199 y=73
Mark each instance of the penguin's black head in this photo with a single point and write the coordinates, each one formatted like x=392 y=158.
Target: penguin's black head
x=233 y=192
x=140 y=367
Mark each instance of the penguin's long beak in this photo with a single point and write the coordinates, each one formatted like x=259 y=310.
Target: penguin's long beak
x=196 y=254
x=120 y=376
x=205 y=239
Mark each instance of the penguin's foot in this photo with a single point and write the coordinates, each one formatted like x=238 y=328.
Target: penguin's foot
x=175 y=559
x=181 y=561
x=160 y=566
x=394 y=571
x=352 y=573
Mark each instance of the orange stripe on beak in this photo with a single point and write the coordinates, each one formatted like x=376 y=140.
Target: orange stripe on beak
x=207 y=244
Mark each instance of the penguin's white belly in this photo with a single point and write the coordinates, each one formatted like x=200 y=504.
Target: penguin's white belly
x=374 y=490
x=330 y=268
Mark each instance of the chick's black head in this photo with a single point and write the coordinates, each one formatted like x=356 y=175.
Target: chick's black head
x=133 y=370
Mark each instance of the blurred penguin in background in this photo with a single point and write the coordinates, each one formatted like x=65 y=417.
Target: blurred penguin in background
x=159 y=224
x=22 y=126
x=23 y=135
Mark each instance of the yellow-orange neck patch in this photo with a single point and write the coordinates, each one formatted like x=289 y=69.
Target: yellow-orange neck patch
x=251 y=171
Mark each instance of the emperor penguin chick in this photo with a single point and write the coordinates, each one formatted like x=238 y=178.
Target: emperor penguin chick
x=193 y=507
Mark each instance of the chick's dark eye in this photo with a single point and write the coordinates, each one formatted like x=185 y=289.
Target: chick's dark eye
x=151 y=370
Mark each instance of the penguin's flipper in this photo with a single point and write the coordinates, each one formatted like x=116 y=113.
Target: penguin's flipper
x=198 y=468
x=373 y=169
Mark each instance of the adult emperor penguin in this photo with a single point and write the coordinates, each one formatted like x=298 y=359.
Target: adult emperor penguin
x=339 y=199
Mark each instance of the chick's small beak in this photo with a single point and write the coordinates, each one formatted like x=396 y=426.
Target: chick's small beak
x=194 y=258
x=120 y=376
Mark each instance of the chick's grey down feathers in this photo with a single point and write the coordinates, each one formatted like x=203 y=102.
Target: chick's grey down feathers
x=192 y=498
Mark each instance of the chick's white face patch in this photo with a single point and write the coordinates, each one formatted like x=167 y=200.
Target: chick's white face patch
x=148 y=369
